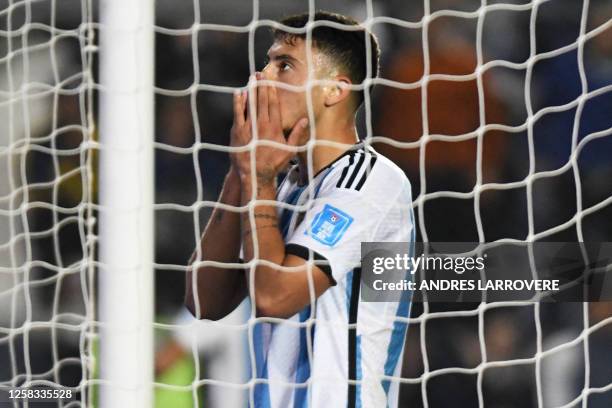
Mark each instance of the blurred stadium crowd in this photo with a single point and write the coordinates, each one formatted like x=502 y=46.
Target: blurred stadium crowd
x=186 y=113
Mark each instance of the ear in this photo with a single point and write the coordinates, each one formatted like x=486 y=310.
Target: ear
x=338 y=92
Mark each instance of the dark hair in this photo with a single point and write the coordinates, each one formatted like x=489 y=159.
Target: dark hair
x=347 y=48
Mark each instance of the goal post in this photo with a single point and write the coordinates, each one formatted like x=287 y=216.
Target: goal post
x=126 y=203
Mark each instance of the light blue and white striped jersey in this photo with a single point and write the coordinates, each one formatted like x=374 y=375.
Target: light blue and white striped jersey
x=309 y=359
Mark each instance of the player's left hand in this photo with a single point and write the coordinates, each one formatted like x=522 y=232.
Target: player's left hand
x=269 y=159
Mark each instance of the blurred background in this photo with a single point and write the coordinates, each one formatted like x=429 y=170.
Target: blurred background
x=565 y=92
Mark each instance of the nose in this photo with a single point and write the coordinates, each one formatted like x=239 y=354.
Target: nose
x=269 y=72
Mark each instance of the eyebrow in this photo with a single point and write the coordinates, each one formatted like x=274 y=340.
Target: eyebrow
x=283 y=57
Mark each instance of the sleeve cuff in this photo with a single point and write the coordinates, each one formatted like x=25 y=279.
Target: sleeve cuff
x=320 y=261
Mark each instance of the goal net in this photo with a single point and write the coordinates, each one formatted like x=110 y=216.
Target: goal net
x=498 y=111
x=47 y=196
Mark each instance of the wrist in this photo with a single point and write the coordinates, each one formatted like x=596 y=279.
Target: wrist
x=262 y=186
x=261 y=177
x=232 y=179
x=232 y=174
x=246 y=179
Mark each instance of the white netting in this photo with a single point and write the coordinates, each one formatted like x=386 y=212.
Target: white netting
x=46 y=195
x=487 y=336
x=505 y=137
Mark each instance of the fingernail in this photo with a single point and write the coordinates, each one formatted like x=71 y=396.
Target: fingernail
x=258 y=75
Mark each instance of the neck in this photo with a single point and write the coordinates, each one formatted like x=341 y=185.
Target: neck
x=343 y=134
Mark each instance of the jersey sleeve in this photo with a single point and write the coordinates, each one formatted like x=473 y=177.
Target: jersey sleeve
x=331 y=232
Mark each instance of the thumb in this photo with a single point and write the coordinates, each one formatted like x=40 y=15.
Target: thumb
x=298 y=132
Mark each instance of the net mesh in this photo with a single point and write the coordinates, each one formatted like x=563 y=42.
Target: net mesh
x=47 y=191
x=488 y=100
x=481 y=358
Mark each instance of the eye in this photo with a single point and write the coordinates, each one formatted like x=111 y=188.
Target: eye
x=283 y=66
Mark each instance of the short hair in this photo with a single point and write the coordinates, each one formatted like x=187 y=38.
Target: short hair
x=347 y=48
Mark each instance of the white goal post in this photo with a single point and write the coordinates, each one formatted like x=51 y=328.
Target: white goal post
x=126 y=274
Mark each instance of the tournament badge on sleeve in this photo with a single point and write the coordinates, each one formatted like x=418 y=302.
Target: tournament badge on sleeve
x=329 y=225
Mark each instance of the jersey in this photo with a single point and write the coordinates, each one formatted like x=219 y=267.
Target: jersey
x=338 y=351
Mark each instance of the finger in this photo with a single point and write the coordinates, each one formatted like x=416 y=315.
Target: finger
x=251 y=95
x=238 y=109
x=298 y=132
x=245 y=108
x=274 y=107
x=262 y=100
x=244 y=104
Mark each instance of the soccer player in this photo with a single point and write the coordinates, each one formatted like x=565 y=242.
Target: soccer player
x=325 y=347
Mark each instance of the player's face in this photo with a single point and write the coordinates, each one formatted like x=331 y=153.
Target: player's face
x=288 y=65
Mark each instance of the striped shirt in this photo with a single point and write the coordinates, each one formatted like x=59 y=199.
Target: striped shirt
x=339 y=351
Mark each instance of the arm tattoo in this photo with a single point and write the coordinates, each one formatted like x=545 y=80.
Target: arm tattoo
x=266 y=216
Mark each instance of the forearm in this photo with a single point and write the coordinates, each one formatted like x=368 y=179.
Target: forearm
x=261 y=235
x=221 y=238
x=276 y=292
x=218 y=288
